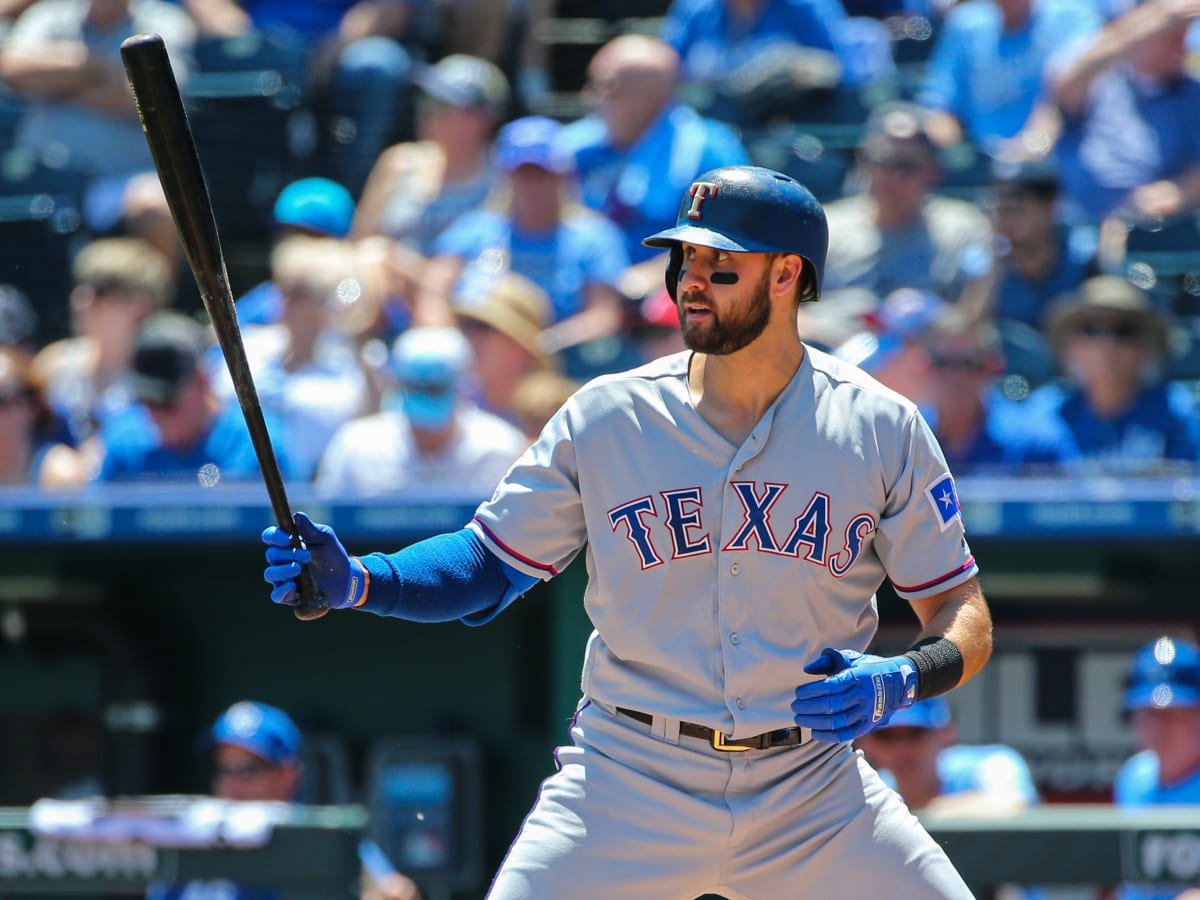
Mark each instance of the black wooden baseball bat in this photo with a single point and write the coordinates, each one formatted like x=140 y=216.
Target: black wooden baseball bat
x=169 y=135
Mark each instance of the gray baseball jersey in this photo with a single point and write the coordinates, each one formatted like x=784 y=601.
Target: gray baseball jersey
x=715 y=572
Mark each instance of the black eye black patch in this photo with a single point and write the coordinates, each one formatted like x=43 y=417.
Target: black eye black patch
x=723 y=278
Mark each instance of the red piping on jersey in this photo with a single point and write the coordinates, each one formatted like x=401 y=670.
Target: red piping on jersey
x=920 y=587
x=513 y=553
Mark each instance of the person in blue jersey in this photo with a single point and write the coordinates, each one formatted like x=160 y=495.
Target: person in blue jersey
x=313 y=207
x=918 y=755
x=572 y=253
x=1130 y=114
x=1163 y=699
x=1122 y=414
x=747 y=61
x=178 y=430
x=641 y=148
x=31 y=452
x=983 y=83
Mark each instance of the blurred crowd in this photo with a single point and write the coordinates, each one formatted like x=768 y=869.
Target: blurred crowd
x=439 y=235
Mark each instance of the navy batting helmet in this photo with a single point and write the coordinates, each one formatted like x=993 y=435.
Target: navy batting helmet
x=748 y=209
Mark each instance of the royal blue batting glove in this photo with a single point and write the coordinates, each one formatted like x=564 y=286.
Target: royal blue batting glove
x=340 y=577
x=860 y=693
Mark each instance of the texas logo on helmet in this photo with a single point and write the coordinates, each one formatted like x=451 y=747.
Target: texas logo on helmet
x=700 y=191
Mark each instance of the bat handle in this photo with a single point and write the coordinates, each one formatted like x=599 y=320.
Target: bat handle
x=312 y=603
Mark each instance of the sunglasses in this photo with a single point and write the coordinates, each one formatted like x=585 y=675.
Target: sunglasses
x=901 y=734
x=1125 y=332
x=14 y=395
x=962 y=362
x=903 y=165
x=429 y=390
x=246 y=770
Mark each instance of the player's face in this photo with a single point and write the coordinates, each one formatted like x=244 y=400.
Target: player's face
x=722 y=318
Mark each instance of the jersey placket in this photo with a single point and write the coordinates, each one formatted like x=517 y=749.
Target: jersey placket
x=736 y=590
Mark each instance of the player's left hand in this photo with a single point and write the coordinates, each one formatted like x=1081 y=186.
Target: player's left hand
x=860 y=693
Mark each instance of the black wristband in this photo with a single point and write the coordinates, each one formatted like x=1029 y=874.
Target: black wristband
x=939 y=665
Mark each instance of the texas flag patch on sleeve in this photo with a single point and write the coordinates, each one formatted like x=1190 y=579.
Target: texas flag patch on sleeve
x=944 y=499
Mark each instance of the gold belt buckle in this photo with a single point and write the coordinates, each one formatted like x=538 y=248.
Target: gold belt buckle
x=718 y=742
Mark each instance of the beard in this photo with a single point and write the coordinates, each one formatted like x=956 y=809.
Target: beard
x=721 y=336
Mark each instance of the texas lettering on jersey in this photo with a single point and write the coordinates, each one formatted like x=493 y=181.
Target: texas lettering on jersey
x=677 y=520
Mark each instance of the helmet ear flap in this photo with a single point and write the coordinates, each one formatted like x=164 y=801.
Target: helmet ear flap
x=674 y=267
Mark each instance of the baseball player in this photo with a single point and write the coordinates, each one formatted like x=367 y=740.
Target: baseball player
x=738 y=504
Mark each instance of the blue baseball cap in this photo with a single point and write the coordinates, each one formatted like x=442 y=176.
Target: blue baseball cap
x=316 y=204
x=267 y=732
x=869 y=351
x=430 y=364
x=1165 y=673
x=531 y=141
x=908 y=312
x=932 y=713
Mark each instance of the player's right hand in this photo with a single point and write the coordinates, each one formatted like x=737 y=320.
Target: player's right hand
x=339 y=577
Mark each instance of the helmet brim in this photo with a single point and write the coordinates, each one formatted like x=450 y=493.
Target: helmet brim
x=701 y=237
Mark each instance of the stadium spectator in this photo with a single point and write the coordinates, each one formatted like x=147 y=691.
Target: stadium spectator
x=29 y=453
x=918 y=754
x=316 y=207
x=306 y=371
x=359 y=58
x=1038 y=258
x=63 y=58
x=1131 y=117
x=416 y=189
x=980 y=427
x=984 y=82
x=256 y=755
x=746 y=61
x=428 y=435
x=538 y=396
x=119 y=282
x=656 y=329
x=1122 y=416
x=178 y=430
x=504 y=325
x=640 y=149
x=1162 y=696
x=572 y=253
x=892 y=348
x=898 y=233
x=18 y=321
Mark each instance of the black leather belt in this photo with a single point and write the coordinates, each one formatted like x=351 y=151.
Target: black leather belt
x=784 y=737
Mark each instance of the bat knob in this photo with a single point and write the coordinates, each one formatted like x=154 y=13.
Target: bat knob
x=312 y=603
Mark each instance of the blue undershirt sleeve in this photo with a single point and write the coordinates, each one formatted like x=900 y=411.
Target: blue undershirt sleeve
x=443 y=578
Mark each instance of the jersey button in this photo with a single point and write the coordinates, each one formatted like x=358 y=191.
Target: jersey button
x=735 y=568
x=735 y=638
x=741 y=704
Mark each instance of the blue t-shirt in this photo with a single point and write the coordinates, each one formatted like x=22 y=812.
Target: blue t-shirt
x=310 y=19
x=1132 y=133
x=261 y=305
x=639 y=188
x=133 y=451
x=712 y=43
x=1163 y=423
x=1021 y=300
x=1015 y=435
x=585 y=249
x=990 y=78
x=1137 y=784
